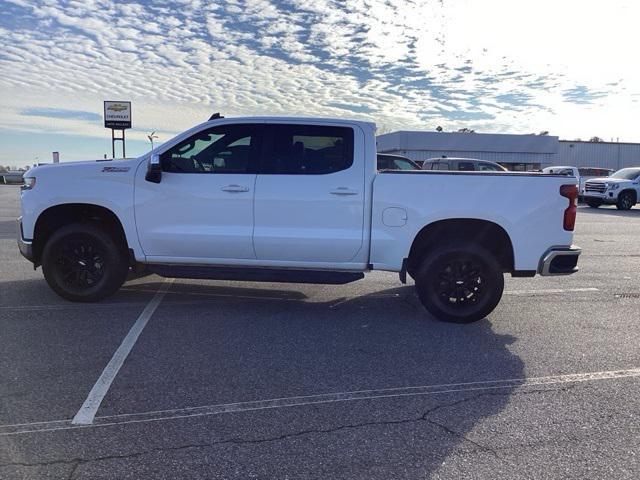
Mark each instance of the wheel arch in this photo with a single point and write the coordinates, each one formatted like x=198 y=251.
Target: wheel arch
x=632 y=191
x=53 y=218
x=486 y=233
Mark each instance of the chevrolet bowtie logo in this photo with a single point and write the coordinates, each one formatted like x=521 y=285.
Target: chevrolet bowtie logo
x=117 y=107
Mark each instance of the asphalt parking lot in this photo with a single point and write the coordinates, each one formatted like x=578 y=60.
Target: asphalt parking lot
x=277 y=381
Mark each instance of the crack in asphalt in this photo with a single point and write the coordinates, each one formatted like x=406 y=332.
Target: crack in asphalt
x=76 y=463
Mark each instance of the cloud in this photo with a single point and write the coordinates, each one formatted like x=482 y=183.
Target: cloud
x=58 y=113
x=490 y=65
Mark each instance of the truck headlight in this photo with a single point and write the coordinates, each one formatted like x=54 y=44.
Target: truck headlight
x=29 y=183
x=613 y=186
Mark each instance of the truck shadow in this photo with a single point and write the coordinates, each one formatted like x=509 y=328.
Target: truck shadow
x=297 y=344
x=218 y=343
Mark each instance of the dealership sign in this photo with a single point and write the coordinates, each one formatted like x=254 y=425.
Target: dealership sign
x=117 y=115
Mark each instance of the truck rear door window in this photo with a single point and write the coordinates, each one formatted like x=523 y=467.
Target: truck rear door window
x=308 y=149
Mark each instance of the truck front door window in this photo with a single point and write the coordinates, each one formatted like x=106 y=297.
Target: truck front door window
x=225 y=149
x=203 y=208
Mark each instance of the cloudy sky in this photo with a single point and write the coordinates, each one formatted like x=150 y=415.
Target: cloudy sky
x=523 y=66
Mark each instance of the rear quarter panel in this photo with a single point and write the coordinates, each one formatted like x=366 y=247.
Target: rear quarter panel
x=527 y=206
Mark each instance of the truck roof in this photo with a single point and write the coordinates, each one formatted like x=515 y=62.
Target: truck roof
x=292 y=119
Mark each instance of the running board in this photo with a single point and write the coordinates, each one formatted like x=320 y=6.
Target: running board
x=245 y=274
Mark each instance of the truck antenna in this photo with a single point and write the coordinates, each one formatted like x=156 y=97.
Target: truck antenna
x=215 y=116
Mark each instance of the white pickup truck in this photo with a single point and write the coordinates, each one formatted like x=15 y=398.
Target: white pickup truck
x=294 y=200
x=621 y=189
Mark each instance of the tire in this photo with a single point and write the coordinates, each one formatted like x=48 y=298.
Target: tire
x=626 y=200
x=83 y=263
x=594 y=203
x=439 y=290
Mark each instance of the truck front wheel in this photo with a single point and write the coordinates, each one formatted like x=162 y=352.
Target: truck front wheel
x=83 y=263
x=459 y=283
x=626 y=200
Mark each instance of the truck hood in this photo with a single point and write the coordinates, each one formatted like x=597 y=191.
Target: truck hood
x=608 y=180
x=84 y=167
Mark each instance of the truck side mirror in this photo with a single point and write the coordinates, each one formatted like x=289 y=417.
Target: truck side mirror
x=154 y=169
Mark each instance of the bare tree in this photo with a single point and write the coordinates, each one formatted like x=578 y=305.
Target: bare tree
x=382 y=129
x=466 y=130
x=595 y=139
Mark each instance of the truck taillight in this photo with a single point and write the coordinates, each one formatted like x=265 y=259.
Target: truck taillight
x=570 y=192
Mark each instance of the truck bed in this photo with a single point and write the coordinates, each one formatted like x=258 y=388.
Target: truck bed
x=527 y=205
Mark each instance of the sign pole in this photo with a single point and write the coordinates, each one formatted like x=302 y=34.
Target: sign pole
x=117 y=116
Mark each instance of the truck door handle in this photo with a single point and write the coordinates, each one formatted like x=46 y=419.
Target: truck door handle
x=343 y=191
x=235 y=188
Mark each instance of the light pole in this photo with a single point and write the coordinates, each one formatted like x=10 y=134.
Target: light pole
x=151 y=137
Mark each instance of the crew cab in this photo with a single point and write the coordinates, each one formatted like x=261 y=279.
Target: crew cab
x=621 y=189
x=294 y=200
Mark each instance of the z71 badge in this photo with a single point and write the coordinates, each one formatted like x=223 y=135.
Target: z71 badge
x=115 y=169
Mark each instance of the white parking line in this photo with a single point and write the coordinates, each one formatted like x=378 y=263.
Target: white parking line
x=87 y=412
x=550 y=291
x=286 y=402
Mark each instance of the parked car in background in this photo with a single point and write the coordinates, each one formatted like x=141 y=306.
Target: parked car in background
x=12 y=176
x=621 y=189
x=582 y=174
x=563 y=170
x=395 y=162
x=462 y=165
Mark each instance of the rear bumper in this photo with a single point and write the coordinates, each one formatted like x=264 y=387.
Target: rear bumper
x=560 y=261
x=25 y=246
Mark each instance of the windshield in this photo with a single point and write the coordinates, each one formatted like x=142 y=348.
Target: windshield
x=627 y=173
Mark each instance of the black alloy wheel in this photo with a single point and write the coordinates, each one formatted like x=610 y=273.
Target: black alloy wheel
x=84 y=263
x=80 y=263
x=459 y=283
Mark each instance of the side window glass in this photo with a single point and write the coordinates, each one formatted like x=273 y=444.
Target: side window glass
x=466 y=166
x=487 y=167
x=401 y=164
x=310 y=150
x=222 y=149
x=442 y=165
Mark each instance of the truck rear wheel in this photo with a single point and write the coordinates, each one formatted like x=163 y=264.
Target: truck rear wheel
x=82 y=263
x=460 y=283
